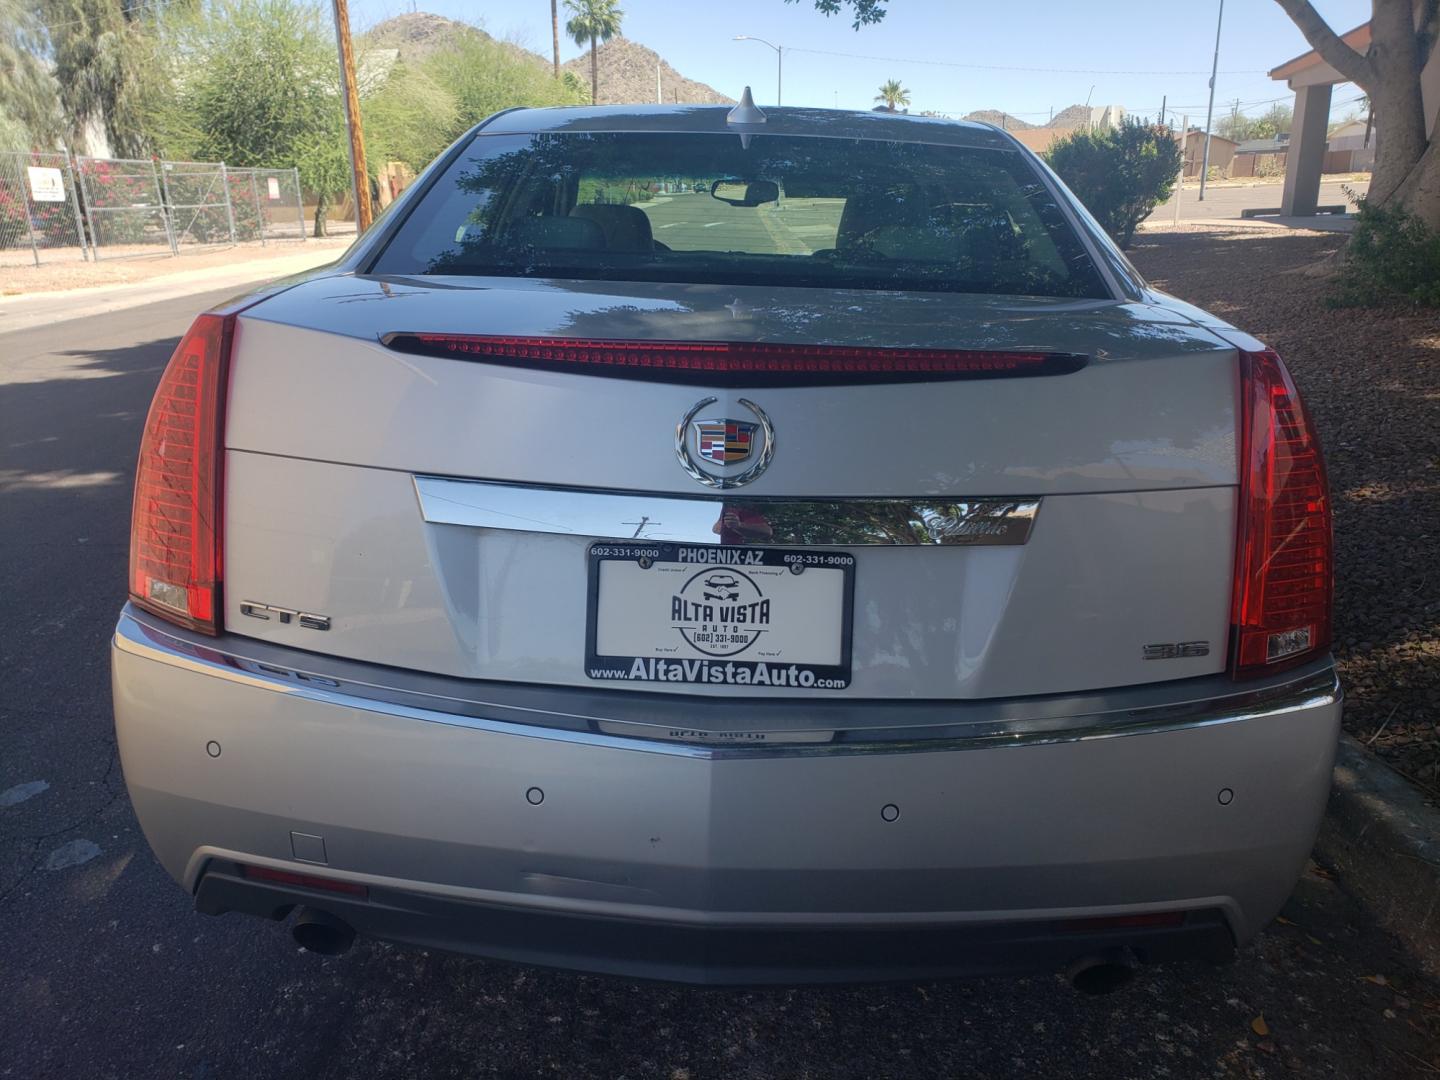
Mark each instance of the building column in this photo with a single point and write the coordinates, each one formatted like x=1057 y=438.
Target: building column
x=1306 y=156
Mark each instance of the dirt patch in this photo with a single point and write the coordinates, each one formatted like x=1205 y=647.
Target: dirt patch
x=1371 y=378
x=75 y=273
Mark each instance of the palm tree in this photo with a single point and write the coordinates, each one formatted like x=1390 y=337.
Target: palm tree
x=593 y=21
x=555 y=33
x=892 y=94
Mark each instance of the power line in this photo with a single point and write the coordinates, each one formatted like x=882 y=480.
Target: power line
x=1004 y=67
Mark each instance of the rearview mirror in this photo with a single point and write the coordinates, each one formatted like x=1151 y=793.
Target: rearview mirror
x=740 y=193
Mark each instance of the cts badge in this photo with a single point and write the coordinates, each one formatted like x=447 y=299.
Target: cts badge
x=308 y=620
x=724 y=442
x=1176 y=650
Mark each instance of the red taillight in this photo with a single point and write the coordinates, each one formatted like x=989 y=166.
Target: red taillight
x=175 y=526
x=1143 y=921
x=739 y=362
x=305 y=881
x=1281 y=604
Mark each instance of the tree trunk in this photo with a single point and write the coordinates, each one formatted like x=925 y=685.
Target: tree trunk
x=1396 y=63
x=594 y=74
x=1419 y=191
x=1400 y=46
x=555 y=33
x=322 y=205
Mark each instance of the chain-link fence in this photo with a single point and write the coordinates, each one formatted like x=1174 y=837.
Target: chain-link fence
x=268 y=204
x=53 y=207
x=197 y=198
x=39 y=210
x=125 y=207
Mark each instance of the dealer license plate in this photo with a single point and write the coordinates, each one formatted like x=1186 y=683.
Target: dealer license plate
x=720 y=616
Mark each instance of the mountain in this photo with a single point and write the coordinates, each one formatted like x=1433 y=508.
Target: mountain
x=627 y=77
x=1073 y=116
x=418 y=34
x=627 y=68
x=999 y=119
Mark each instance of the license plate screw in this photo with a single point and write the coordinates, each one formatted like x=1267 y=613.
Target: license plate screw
x=796 y=569
x=645 y=562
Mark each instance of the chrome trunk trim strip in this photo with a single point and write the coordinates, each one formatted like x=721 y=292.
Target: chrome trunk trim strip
x=613 y=515
x=567 y=714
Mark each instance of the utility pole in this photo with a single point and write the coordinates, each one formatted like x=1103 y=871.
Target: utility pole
x=358 y=172
x=1210 y=109
x=1164 y=100
x=1184 y=149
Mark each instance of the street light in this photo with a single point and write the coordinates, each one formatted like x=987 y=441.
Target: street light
x=779 y=60
x=1210 y=109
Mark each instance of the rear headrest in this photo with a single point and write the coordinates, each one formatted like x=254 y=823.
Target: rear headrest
x=626 y=228
x=556 y=233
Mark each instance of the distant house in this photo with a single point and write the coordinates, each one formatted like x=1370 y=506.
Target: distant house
x=1261 y=157
x=1222 y=152
x=1064 y=124
x=1040 y=138
x=1351 y=148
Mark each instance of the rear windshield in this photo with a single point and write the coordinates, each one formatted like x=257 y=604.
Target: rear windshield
x=782 y=210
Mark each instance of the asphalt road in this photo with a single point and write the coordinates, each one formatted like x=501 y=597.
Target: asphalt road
x=106 y=972
x=1225 y=201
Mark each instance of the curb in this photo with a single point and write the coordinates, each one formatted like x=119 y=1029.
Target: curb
x=1384 y=839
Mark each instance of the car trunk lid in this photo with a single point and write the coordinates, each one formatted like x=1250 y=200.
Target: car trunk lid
x=339 y=450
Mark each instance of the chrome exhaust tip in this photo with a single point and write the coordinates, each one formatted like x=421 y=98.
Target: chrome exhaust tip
x=322 y=933
x=1102 y=972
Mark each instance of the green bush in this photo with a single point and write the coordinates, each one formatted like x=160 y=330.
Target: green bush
x=483 y=76
x=1392 y=254
x=254 y=83
x=408 y=117
x=1120 y=174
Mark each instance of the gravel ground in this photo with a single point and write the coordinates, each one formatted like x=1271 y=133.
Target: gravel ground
x=1371 y=378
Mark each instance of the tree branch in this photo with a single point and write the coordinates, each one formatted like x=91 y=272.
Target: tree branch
x=1327 y=43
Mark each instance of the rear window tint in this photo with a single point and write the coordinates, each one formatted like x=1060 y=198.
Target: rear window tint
x=782 y=210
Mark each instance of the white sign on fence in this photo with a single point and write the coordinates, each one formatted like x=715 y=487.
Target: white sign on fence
x=272 y=185
x=46 y=185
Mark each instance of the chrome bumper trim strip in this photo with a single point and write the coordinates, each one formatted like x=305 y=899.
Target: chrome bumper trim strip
x=607 y=515
x=1024 y=722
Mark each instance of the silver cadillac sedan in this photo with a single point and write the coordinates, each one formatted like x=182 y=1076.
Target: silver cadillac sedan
x=732 y=547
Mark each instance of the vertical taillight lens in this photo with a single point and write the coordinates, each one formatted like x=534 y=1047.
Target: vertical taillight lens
x=1283 y=579
x=175 y=527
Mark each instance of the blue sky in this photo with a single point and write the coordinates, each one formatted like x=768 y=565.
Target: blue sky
x=1117 y=39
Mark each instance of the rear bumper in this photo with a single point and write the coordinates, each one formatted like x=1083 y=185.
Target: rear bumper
x=569 y=847
x=719 y=955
